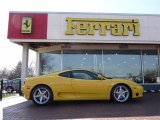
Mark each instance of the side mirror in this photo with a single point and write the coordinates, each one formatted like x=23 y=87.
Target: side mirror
x=100 y=77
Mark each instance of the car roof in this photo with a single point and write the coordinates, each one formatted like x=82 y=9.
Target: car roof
x=58 y=72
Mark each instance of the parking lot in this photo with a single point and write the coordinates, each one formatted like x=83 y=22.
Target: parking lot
x=147 y=106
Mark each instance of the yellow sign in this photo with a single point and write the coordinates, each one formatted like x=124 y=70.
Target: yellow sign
x=26 y=25
x=88 y=26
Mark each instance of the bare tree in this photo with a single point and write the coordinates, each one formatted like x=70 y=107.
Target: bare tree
x=31 y=70
x=4 y=73
x=16 y=72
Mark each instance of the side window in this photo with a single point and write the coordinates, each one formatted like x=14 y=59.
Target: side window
x=65 y=74
x=94 y=76
x=80 y=74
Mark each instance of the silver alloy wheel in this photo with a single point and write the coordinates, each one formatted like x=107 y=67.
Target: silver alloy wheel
x=9 y=90
x=41 y=95
x=121 y=93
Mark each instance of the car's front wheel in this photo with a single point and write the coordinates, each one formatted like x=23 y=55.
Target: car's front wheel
x=121 y=93
x=41 y=95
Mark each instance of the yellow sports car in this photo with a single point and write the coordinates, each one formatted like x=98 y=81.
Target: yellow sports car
x=79 y=85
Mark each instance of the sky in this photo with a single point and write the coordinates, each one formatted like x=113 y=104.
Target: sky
x=11 y=53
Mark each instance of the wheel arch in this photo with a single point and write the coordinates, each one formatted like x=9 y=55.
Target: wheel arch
x=120 y=84
x=41 y=85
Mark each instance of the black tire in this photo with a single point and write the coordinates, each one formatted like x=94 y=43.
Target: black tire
x=9 y=89
x=120 y=93
x=42 y=95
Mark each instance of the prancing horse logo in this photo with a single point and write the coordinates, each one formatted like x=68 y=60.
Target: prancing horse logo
x=27 y=24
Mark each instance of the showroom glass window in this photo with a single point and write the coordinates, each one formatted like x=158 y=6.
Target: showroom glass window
x=136 y=65
x=50 y=62
x=85 y=59
x=123 y=64
x=150 y=66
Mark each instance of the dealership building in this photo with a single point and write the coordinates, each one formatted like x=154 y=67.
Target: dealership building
x=116 y=45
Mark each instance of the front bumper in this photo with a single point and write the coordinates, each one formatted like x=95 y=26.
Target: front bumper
x=26 y=91
x=137 y=91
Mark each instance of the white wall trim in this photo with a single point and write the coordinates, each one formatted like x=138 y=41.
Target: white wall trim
x=84 y=41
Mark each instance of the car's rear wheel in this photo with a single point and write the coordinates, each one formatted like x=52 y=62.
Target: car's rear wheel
x=121 y=93
x=41 y=95
x=9 y=89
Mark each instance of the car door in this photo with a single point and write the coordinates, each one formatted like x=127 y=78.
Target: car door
x=86 y=85
x=63 y=88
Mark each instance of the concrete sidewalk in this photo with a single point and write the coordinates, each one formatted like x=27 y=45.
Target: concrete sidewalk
x=6 y=102
x=17 y=108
